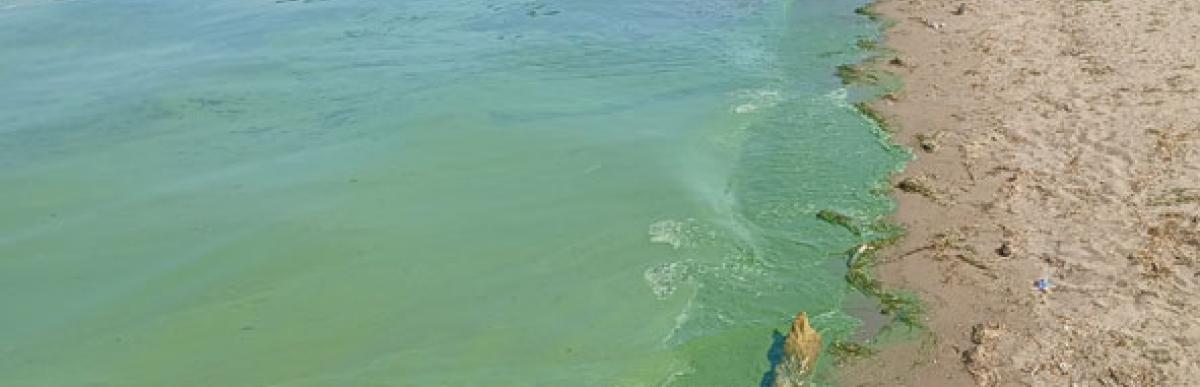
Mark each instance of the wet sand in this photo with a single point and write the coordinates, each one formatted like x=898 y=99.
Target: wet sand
x=1055 y=140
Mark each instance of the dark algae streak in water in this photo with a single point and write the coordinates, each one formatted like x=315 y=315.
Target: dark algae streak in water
x=868 y=81
x=902 y=308
x=864 y=82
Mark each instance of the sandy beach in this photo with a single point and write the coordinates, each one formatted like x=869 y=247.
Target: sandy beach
x=1059 y=141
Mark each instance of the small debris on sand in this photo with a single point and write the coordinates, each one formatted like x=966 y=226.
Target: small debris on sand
x=933 y=25
x=981 y=333
x=929 y=142
x=1005 y=250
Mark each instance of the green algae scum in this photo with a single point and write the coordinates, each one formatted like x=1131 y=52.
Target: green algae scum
x=426 y=193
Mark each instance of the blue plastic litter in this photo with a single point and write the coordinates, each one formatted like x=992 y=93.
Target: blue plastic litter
x=1043 y=284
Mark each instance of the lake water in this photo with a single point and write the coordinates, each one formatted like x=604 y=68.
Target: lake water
x=424 y=193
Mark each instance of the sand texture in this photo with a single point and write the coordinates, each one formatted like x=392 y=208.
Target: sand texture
x=1055 y=139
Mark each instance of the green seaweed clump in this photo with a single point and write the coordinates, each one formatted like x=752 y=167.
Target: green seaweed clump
x=903 y=308
x=871 y=113
x=867 y=44
x=868 y=11
x=889 y=233
x=880 y=232
x=859 y=275
x=843 y=350
x=840 y=219
x=854 y=74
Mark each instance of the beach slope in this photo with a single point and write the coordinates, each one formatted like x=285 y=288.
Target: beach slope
x=1055 y=141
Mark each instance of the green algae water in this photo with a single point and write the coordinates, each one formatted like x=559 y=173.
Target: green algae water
x=424 y=193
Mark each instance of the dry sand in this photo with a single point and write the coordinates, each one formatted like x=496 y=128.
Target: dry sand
x=1068 y=131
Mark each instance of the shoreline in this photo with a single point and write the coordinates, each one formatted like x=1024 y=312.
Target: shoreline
x=1052 y=141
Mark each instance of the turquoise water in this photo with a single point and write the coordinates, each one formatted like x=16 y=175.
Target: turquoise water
x=423 y=193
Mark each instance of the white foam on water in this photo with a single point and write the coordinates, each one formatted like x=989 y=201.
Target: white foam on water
x=840 y=98
x=665 y=278
x=756 y=99
x=681 y=319
x=669 y=232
